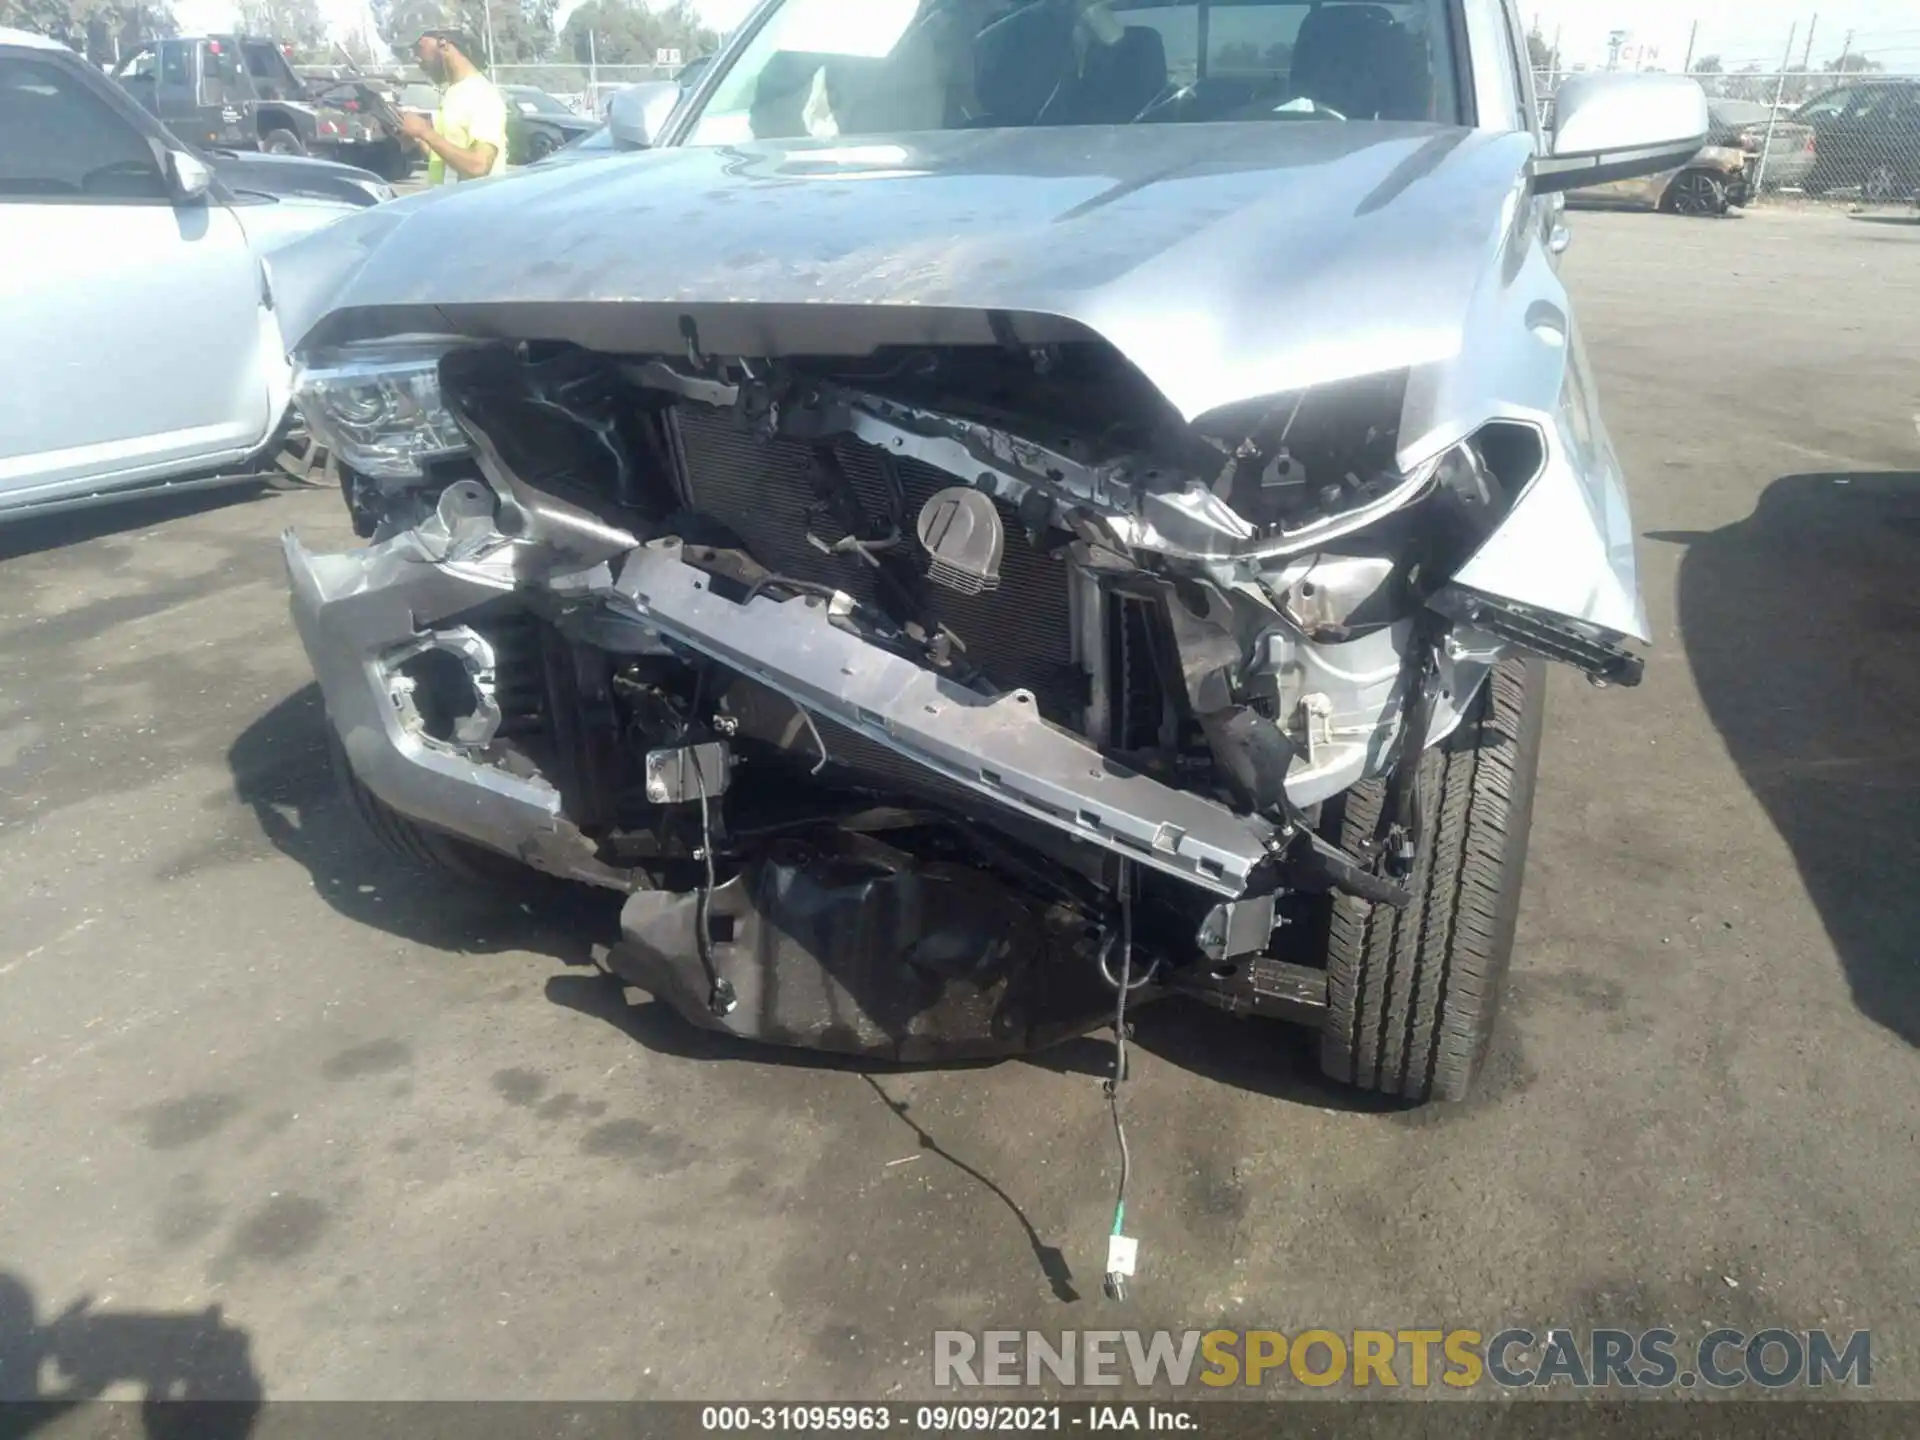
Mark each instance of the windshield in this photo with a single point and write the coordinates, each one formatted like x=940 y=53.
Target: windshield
x=592 y=142
x=829 y=68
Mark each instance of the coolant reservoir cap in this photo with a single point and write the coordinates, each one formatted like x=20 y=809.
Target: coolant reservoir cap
x=961 y=532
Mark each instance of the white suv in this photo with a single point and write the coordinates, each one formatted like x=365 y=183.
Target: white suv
x=142 y=347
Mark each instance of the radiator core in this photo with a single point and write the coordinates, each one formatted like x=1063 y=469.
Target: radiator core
x=1019 y=636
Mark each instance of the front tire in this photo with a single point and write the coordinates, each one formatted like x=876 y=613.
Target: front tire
x=1885 y=186
x=1695 y=192
x=282 y=142
x=425 y=849
x=390 y=161
x=301 y=461
x=1412 y=994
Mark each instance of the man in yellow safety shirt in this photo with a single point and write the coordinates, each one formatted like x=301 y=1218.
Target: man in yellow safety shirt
x=467 y=137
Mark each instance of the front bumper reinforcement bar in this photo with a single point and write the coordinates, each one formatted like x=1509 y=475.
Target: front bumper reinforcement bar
x=998 y=747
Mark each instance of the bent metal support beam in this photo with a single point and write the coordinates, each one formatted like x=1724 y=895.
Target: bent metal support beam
x=998 y=747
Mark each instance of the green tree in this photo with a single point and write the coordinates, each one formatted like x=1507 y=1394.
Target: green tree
x=102 y=30
x=522 y=29
x=626 y=32
x=292 y=22
x=1540 y=54
x=361 y=48
x=43 y=17
x=1853 y=65
x=1747 y=83
x=1709 y=65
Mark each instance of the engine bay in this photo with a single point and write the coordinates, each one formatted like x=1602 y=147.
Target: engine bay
x=885 y=688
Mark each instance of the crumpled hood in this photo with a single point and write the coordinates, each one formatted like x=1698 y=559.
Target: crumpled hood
x=1226 y=262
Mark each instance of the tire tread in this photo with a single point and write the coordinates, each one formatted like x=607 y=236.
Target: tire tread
x=1411 y=994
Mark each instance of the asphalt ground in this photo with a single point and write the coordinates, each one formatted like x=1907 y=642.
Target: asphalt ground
x=278 y=1116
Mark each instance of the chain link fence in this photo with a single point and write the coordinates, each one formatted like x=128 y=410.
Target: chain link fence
x=1813 y=134
x=584 y=89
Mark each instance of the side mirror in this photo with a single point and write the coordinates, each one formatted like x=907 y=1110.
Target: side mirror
x=188 y=176
x=637 y=115
x=1615 y=127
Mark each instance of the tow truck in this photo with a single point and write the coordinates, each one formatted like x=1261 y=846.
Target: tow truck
x=241 y=92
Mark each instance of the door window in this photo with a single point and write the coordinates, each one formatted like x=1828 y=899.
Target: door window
x=174 y=69
x=272 y=77
x=1881 y=107
x=59 y=139
x=1828 y=106
x=1526 y=102
x=141 y=66
x=220 y=82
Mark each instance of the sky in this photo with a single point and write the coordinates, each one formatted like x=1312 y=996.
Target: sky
x=1739 y=31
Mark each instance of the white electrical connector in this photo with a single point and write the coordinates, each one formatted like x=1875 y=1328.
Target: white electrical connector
x=1123 y=1252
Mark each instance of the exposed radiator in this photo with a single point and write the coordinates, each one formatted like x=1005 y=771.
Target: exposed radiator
x=1019 y=635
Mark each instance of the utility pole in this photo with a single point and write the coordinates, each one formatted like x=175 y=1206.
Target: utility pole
x=1773 y=115
x=1553 y=70
x=1615 y=40
x=593 y=72
x=1692 y=36
x=1846 y=49
x=486 y=7
x=1806 y=59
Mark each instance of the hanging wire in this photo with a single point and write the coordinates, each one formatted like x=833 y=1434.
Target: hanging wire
x=1115 y=1284
x=721 y=999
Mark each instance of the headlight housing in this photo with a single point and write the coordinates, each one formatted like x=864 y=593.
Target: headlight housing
x=379 y=409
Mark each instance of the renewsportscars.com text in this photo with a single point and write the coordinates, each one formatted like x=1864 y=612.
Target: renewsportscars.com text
x=1514 y=1359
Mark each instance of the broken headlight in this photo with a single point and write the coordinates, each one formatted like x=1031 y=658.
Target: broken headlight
x=379 y=408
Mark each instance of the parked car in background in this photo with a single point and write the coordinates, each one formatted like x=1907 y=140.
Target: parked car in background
x=596 y=143
x=539 y=124
x=1717 y=179
x=142 y=347
x=1031 y=530
x=1867 y=136
x=417 y=94
x=297 y=178
x=635 y=112
x=1784 y=149
x=241 y=92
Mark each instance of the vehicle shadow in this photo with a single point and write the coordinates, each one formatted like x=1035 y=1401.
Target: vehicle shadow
x=1802 y=625
x=1261 y=1056
x=655 y=1025
x=34 y=534
x=195 y=1370
x=283 y=773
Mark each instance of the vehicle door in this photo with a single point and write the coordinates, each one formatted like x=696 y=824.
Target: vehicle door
x=1838 y=135
x=137 y=343
x=139 y=76
x=272 y=76
x=176 y=96
x=1889 y=141
x=223 y=103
